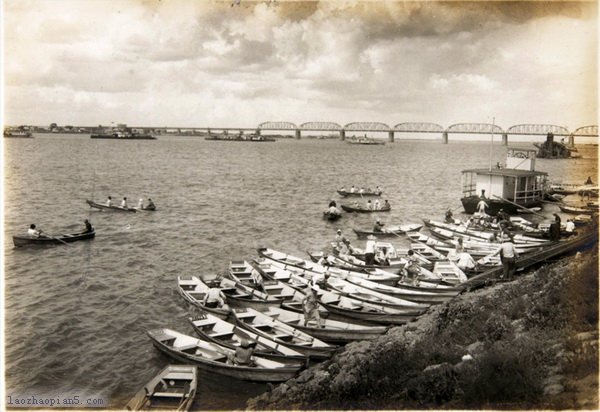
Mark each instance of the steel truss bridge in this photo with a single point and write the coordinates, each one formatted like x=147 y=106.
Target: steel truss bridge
x=414 y=127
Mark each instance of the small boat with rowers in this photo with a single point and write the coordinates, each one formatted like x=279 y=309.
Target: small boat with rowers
x=174 y=388
x=359 y=192
x=515 y=187
x=47 y=239
x=386 y=207
x=219 y=359
x=111 y=208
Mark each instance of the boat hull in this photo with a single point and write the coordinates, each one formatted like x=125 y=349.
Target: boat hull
x=54 y=240
x=470 y=205
x=110 y=208
x=352 y=209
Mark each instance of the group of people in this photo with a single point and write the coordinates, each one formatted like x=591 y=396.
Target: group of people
x=140 y=205
x=361 y=190
x=376 y=205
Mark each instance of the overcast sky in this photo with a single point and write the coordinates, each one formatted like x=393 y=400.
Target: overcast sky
x=240 y=63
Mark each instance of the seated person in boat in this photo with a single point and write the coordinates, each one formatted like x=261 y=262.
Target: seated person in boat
x=32 y=231
x=376 y=204
x=361 y=190
x=377 y=190
x=382 y=257
x=109 y=201
x=326 y=260
x=244 y=354
x=352 y=189
x=321 y=282
x=310 y=307
x=124 y=203
x=386 y=204
x=369 y=205
x=356 y=205
x=449 y=216
x=150 y=205
x=88 y=226
x=140 y=204
x=343 y=189
x=215 y=298
x=378 y=226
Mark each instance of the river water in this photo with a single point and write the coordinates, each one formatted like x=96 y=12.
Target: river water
x=76 y=316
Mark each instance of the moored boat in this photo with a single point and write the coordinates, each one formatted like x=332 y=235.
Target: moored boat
x=173 y=388
x=283 y=333
x=389 y=231
x=46 y=240
x=513 y=188
x=196 y=291
x=578 y=210
x=330 y=330
x=216 y=358
x=212 y=328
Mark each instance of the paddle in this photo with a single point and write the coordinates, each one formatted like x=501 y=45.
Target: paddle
x=520 y=207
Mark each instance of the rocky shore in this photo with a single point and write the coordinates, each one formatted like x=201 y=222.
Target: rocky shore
x=527 y=344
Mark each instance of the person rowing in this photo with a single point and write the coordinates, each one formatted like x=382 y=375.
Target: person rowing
x=88 y=226
x=378 y=226
x=124 y=203
x=150 y=205
x=109 y=201
x=33 y=231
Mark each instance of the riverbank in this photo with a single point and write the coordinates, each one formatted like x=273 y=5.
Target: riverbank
x=527 y=344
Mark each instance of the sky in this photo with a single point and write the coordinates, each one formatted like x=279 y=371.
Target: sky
x=238 y=63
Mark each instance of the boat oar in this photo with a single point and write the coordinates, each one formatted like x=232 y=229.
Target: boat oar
x=519 y=206
x=56 y=238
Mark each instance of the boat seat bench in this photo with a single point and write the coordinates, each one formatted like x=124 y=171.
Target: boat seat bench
x=223 y=335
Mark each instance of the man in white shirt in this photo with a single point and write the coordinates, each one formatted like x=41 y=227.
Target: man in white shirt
x=32 y=231
x=370 y=250
x=508 y=256
x=124 y=203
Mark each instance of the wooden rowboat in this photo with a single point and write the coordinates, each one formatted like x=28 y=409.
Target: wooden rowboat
x=216 y=358
x=578 y=210
x=358 y=193
x=110 y=208
x=331 y=331
x=211 y=328
x=390 y=231
x=46 y=240
x=174 y=388
x=361 y=209
x=195 y=292
x=282 y=333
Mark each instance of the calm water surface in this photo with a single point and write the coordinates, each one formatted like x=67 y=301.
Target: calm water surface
x=77 y=316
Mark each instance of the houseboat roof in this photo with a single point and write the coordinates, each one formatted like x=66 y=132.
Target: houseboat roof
x=505 y=172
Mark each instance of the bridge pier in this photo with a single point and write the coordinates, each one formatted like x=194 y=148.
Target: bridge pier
x=571 y=140
x=504 y=139
x=298 y=134
x=445 y=137
x=342 y=135
x=391 y=136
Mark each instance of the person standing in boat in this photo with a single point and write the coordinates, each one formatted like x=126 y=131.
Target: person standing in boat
x=310 y=307
x=482 y=205
x=508 y=257
x=109 y=201
x=412 y=267
x=370 y=250
x=124 y=203
x=88 y=226
x=33 y=231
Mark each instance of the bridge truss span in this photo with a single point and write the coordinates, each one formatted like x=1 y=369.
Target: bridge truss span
x=418 y=127
x=538 y=129
x=277 y=126
x=479 y=128
x=367 y=127
x=591 y=131
x=321 y=126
